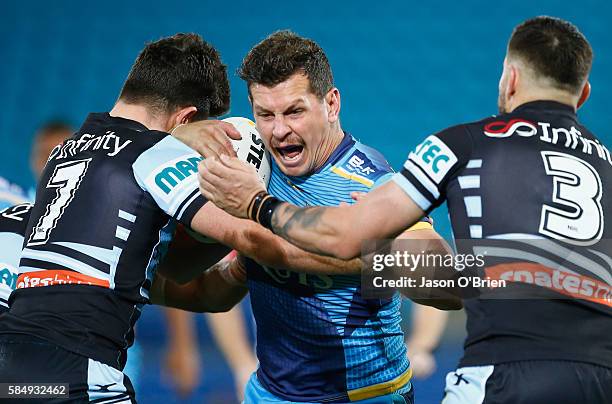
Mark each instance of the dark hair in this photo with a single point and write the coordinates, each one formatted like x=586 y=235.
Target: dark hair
x=283 y=54
x=179 y=71
x=554 y=48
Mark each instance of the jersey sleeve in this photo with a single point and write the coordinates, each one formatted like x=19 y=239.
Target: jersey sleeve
x=424 y=223
x=433 y=164
x=168 y=171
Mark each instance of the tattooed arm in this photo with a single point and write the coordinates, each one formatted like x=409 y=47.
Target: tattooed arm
x=338 y=232
x=385 y=213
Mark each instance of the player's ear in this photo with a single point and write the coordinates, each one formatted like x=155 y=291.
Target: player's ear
x=184 y=115
x=514 y=77
x=584 y=95
x=332 y=101
x=180 y=117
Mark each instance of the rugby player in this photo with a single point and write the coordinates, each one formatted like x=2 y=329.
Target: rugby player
x=105 y=208
x=318 y=338
x=533 y=173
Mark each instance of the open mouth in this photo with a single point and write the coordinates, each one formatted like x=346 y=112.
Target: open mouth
x=291 y=153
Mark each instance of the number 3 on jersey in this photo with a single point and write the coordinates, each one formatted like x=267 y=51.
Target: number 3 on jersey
x=66 y=179
x=576 y=186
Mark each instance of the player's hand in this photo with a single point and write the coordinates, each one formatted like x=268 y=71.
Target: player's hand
x=422 y=362
x=209 y=138
x=229 y=183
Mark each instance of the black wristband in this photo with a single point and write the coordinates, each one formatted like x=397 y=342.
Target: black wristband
x=268 y=206
x=255 y=205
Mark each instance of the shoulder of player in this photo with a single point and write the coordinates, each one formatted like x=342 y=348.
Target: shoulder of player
x=362 y=162
x=14 y=219
x=165 y=159
x=467 y=128
x=159 y=144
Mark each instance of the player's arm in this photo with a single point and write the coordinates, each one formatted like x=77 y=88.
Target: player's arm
x=260 y=244
x=336 y=231
x=217 y=289
x=168 y=172
x=427 y=242
x=187 y=257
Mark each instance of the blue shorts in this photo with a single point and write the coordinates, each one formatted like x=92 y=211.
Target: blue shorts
x=255 y=393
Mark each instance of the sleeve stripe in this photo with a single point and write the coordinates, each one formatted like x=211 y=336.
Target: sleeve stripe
x=411 y=191
x=420 y=187
x=186 y=204
x=422 y=177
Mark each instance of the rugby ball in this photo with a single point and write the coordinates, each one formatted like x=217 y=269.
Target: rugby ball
x=251 y=147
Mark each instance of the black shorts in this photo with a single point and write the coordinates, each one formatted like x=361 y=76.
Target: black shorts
x=530 y=382
x=28 y=359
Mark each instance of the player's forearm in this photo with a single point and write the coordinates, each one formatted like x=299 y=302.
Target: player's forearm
x=317 y=229
x=429 y=243
x=210 y=292
x=279 y=253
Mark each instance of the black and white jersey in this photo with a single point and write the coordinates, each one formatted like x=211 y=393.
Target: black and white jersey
x=539 y=181
x=104 y=214
x=13 y=222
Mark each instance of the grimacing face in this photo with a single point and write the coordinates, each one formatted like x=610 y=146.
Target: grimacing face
x=293 y=123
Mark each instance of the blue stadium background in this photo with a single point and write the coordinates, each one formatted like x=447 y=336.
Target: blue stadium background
x=404 y=69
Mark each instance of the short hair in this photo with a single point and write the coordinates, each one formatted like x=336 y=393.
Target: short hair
x=283 y=54
x=179 y=71
x=555 y=49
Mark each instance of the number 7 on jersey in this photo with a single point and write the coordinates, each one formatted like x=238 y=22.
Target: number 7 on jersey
x=66 y=178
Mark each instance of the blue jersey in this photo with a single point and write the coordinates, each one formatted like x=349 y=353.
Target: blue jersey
x=318 y=339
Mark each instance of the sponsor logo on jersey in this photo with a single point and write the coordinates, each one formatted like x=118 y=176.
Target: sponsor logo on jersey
x=8 y=276
x=57 y=277
x=434 y=157
x=506 y=129
x=570 y=138
x=359 y=168
x=361 y=164
x=174 y=175
x=70 y=148
x=568 y=284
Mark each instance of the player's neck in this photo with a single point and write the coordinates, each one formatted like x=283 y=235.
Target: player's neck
x=550 y=95
x=329 y=145
x=138 y=113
